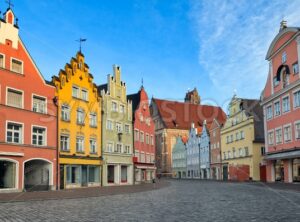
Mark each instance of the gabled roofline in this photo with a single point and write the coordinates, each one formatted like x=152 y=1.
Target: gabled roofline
x=278 y=36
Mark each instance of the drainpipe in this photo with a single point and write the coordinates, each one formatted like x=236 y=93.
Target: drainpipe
x=55 y=101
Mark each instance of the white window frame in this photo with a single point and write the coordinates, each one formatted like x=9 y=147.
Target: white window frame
x=119 y=127
x=80 y=110
x=82 y=139
x=112 y=147
x=116 y=148
x=22 y=131
x=276 y=129
x=283 y=57
x=67 y=114
x=22 y=67
x=68 y=142
x=14 y=89
x=95 y=144
x=271 y=131
x=45 y=136
x=142 y=138
x=297 y=137
x=114 y=110
x=294 y=104
x=129 y=149
x=87 y=94
x=295 y=64
x=78 y=91
x=112 y=124
x=277 y=101
x=284 y=97
x=267 y=113
x=128 y=128
x=93 y=115
x=122 y=105
x=42 y=97
x=3 y=67
x=136 y=132
x=291 y=137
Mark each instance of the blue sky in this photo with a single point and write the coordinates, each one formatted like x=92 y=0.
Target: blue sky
x=217 y=46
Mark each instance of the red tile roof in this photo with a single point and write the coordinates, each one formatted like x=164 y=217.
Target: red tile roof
x=180 y=115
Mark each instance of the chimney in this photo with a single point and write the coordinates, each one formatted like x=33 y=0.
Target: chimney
x=283 y=25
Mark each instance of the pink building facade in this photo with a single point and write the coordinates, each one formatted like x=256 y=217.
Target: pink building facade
x=28 y=123
x=144 y=138
x=281 y=104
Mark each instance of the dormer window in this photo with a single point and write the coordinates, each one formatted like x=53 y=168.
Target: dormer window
x=16 y=66
x=2 y=61
x=283 y=57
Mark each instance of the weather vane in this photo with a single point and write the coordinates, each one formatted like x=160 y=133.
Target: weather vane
x=10 y=4
x=81 y=40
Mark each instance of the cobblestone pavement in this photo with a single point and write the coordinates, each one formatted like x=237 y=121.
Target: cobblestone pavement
x=184 y=200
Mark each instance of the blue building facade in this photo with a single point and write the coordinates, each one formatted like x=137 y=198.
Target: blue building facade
x=193 y=154
x=179 y=159
x=204 y=153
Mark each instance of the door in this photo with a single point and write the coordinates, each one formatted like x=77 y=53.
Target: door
x=263 y=173
x=62 y=177
x=225 y=172
x=84 y=176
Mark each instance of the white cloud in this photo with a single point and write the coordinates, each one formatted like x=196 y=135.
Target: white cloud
x=234 y=37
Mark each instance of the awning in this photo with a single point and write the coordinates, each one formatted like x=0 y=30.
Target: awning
x=283 y=155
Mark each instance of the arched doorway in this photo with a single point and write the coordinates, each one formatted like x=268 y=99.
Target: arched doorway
x=37 y=175
x=8 y=174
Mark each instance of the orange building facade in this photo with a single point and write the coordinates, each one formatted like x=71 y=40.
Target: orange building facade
x=28 y=123
x=281 y=102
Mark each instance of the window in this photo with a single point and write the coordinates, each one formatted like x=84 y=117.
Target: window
x=233 y=152
x=64 y=143
x=122 y=109
x=297 y=130
x=297 y=99
x=123 y=174
x=17 y=66
x=118 y=148
x=147 y=138
x=65 y=113
x=240 y=152
x=227 y=139
x=275 y=81
x=73 y=174
x=38 y=104
x=127 y=149
x=262 y=150
x=79 y=144
x=80 y=116
x=114 y=107
x=109 y=147
x=14 y=133
x=277 y=108
x=2 y=61
x=38 y=136
x=271 y=138
x=286 y=104
x=14 y=98
x=151 y=140
x=246 y=151
x=136 y=135
x=84 y=95
x=94 y=174
x=295 y=67
x=242 y=135
x=93 y=119
x=109 y=125
x=287 y=133
x=269 y=112
x=127 y=129
x=229 y=155
x=119 y=127
x=75 y=91
x=142 y=137
x=237 y=136
x=231 y=138
x=93 y=146
x=278 y=133
x=224 y=155
x=283 y=57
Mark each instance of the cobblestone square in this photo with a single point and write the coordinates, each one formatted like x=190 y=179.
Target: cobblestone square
x=183 y=200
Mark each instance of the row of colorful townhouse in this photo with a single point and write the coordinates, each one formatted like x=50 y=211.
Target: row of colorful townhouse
x=260 y=140
x=68 y=132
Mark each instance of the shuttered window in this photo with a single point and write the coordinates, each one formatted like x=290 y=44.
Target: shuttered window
x=14 y=98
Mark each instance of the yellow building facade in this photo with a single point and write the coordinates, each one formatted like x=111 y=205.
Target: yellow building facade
x=242 y=140
x=79 y=125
